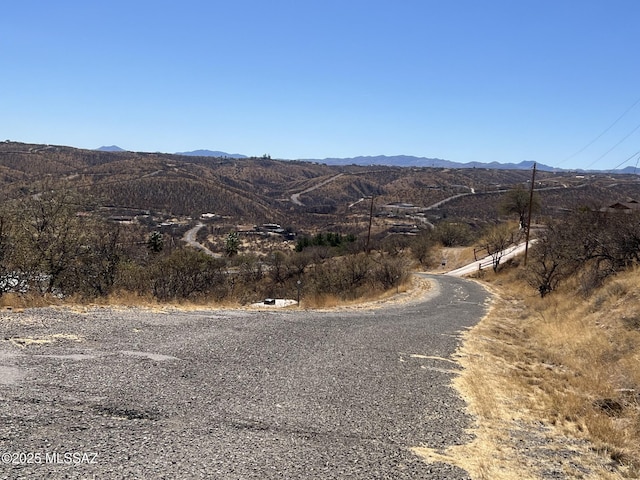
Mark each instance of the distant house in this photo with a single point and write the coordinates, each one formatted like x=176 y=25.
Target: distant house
x=623 y=207
x=122 y=219
x=400 y=207
x=403 y=228
x=271 y=226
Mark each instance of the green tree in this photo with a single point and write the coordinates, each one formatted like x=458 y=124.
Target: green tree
x=232 y=244
x=155 y=242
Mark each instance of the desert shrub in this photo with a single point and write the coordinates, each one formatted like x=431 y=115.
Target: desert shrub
x=389 y=272
x=250 y=269
x=452 y=234
x=186 y=274
x=328 y=239
x=95 y=269
x=395 y=244
x=7 y=277
x=590 y=244
x=356 y=275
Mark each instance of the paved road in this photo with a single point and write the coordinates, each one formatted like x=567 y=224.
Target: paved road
x=487 y=262
x=234 y=394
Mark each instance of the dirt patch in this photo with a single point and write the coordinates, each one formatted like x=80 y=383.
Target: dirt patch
x=11 y=375
x=24 y=342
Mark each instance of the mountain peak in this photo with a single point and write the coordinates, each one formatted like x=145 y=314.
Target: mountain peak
x=111 y=148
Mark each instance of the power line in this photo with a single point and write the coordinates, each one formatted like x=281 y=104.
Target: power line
x=622 y=140
x=602 y=133
x=622 y=163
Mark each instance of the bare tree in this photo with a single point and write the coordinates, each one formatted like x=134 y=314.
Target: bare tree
x=555 y=256
x=497 y=241
x=52 y=236
x=6 y=278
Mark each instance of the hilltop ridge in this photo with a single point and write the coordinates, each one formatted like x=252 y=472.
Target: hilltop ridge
x=260 y=189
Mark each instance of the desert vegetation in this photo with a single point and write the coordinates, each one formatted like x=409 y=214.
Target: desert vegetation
x=585 y=245
x=555 y=366
x=556 y=377
x=53 y=245
x=556 y=357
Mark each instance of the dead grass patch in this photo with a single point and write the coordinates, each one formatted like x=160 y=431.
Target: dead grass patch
x=455 y=257
x=414 y=289
x=15 y=301
x=553 y=383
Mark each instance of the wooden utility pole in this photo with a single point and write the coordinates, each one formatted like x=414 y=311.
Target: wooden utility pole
x=366 y=248
x=526 y=245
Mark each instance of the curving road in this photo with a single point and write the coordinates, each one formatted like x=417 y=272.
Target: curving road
x=295 y=198
x=238 y=394
x=190 y=239
x=487 y=262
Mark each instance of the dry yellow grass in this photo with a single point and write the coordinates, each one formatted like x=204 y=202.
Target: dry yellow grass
x=19 y=301
x=413 y=289
x=554 y=384
x=455 y=257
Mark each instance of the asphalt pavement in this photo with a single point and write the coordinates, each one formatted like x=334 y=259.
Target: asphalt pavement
x=234 y=394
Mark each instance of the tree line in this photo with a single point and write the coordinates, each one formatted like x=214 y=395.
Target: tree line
x=53 y=244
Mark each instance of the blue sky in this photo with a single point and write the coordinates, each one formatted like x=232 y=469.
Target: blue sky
x=507 y=80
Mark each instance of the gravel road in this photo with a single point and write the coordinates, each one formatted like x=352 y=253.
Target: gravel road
x=234 y=394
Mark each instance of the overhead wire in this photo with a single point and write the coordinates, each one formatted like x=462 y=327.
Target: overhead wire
x=631 y=107
x=618 y=143
x=622 y=163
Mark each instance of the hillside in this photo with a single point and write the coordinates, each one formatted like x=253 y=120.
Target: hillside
x=260 y=189
x=561 y=337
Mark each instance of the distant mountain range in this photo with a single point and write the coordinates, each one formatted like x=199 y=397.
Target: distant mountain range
x=194 y=153
x=393 y=161
x=210 y=153
x=409 y=161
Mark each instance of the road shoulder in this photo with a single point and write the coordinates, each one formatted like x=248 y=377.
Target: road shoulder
x=509 y=438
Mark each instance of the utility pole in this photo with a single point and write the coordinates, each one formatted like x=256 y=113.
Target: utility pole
x=526 y=245
x=366 y=248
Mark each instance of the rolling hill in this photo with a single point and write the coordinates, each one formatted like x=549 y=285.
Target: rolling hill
x=260 y=189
